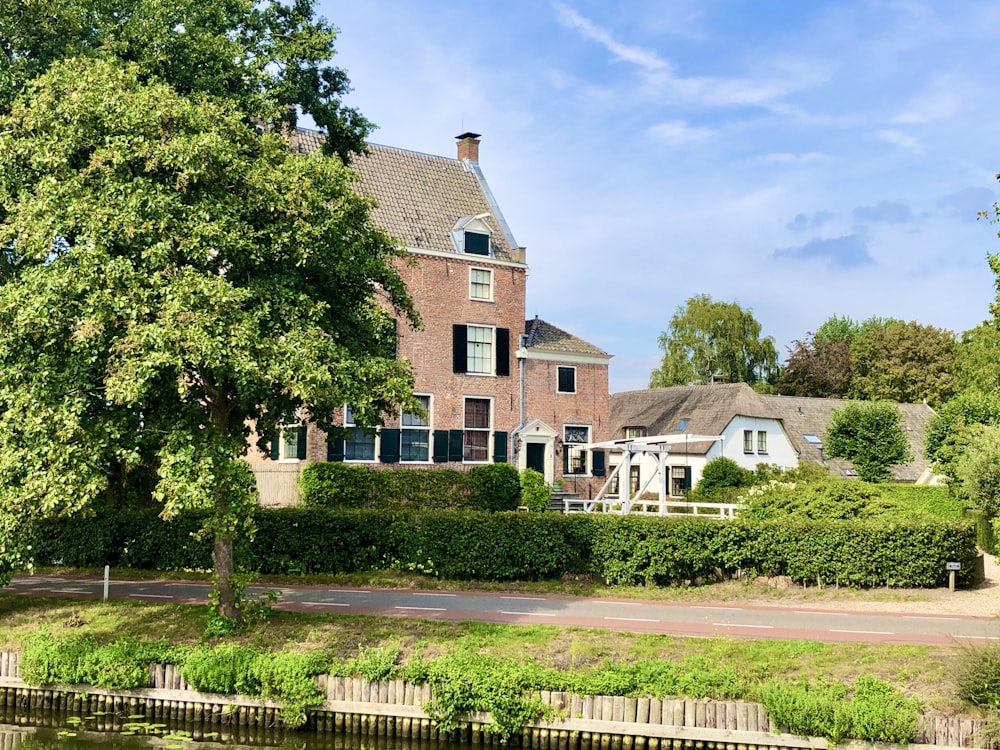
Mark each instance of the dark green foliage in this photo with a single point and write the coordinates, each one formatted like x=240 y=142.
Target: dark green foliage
x=722 y=473
x=496 y=487
x=337 y=485
x=868 y=435
x=977 y=678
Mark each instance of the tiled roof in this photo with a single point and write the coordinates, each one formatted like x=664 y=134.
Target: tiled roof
x=420 y=197
x=708 y=409
x=802 y=416
x=545 y=337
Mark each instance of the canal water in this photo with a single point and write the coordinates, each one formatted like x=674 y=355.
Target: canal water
x=37 y=731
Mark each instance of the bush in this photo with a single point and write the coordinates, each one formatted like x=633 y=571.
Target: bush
x=720 y=474
x=495 y=487
x=535 y=494
x=977 y=678
x=331 y=484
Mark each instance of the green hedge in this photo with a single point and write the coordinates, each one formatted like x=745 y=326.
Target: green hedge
x=335 y=485
x=631 y=550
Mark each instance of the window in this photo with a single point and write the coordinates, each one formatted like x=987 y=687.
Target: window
x=680 y=480
x=682 y=425
x=748 y=441
x=481 y=350
x=481 y=284
x=566 y=380
x=291 y=445
x=476 y=437
x=812 y=439
x=634 y=477
x=479 y=355
x=359 y=444
x=477 y=243
x=574 y=457
x=761 y=441
x=415 y=434
x=635 y=432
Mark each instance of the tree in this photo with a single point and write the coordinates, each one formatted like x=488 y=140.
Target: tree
x=844 y=328
x=978 y=470
x=269 y=59
x=711 y=341
x=816 y=368
x=904 y=362
x=870 y=436
x=955 y=424
x=976 y=360
x=175 y=277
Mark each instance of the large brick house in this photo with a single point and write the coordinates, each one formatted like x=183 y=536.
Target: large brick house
x=495 y=387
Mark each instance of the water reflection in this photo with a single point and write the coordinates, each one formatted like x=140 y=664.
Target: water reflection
x=33 y=731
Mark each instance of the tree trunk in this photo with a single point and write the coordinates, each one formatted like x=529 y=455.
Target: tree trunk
x=222 y=561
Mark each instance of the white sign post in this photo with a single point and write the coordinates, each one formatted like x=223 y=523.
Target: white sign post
x=952 y=568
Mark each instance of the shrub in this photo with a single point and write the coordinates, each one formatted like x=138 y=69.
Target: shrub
x=535 y=494
x=495 y=487
x=977 y=677
x=337 y=485
x=720 y=474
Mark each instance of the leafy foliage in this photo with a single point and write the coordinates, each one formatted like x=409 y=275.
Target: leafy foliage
x=904 y=362
x=328 y=484
x=977 y=678
x=156 y=246
x=710 y=341
x=816 y=368
x=955 y=425
x=496 y=487
x=723 y=473
x=535 y=493
x=979 y=470
x=870 y=437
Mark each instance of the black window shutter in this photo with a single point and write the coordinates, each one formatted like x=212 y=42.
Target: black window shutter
x=459 y=348
x=276 y=445
x=565 y=452
x=687 y=478
x=499 y=447
x=456 y=440
x=334 y=447
x=503 y=351
x=440 y=446
x=390 y=446
x=300 y=445
x=598 y=461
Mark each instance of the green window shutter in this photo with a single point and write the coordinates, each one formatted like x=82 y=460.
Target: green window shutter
x=567 y=380
x=565 y=455
x=598 y=462
x=503 y=351
x=440 y=446
x=687 y=477
x=335 y=444
x=275 y=445
x=390 y=446
x=300 y=445
x=459 y=348
x=456 y=441
x=477 y=243
x=499 y=447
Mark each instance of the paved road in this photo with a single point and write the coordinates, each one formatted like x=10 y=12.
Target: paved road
x=627 y=615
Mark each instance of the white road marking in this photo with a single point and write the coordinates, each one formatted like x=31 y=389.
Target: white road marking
x=631 y=619
x=929 y=617
x=724 y=609
x=863 y=632
x=328 y=604
x=419 y=594
x=980 y=637
x=824 y=614
x=153 y=596
x=69 y=591
x=741 y=625
x=426 y=609
x=530 y=614
x=525 y=598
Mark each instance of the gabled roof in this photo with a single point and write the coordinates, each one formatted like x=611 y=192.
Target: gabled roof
x=708 y=409
x=420 y=196
x=544 y=337
x=811 y=416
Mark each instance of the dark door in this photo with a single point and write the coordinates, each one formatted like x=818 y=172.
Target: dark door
x=536 y=457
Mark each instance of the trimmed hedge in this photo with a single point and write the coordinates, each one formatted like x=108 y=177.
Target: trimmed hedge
x=470 y=545
x=328 y=484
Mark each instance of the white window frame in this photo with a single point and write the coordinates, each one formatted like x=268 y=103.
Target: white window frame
x=565 y=367
x=288 y=448
x=488 y=429
x=762 y=442
x=567 y=446
x=676 y=475
x=349 y=424
x=748 y=441
x=636 y=431
x=470 y=357
x=426 y=427
x=474 y=284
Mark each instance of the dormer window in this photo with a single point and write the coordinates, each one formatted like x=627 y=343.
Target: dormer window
x=471 y=235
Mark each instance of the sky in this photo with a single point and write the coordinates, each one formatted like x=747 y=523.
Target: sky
x=804 y=159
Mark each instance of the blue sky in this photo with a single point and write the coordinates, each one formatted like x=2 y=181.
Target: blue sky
x=804 y=159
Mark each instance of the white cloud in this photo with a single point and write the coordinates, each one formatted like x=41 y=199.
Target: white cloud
x=786 y=158
x=939 y=101
x=679 y=133
x=901 y=139
x=646 y=59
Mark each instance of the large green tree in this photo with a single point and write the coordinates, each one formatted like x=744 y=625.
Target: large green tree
x=174 y=277
x=870 y=436
x=977 y=358
x=816 y=368
x=904 y=362
x=714 y=341
x=270 y=59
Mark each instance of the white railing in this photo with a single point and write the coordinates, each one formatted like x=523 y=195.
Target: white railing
x=722 y=511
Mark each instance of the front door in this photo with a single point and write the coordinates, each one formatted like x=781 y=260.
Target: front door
x=535 y=458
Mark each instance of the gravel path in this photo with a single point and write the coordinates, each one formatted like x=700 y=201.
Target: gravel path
x=982 y=601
